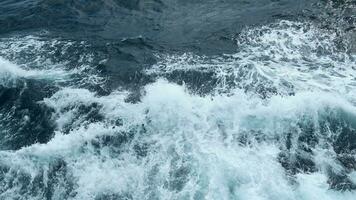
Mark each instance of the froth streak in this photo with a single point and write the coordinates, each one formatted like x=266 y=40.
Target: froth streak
x=10 y=72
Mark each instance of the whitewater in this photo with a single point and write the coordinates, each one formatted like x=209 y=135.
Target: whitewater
x=277 y=122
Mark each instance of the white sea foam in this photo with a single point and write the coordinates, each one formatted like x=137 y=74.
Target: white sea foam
x=289 y=56
x=10 y=73
x=173 y=144
x=49 y=59
x=193 y=142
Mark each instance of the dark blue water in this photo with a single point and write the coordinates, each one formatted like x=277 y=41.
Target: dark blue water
x=168 y=99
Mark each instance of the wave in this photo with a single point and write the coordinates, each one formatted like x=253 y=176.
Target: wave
x=65 y=62
x=10 y=73
x=180 y=145
x=279 y=58
x=278 y=122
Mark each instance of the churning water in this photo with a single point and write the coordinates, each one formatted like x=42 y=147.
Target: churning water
x=271 y=117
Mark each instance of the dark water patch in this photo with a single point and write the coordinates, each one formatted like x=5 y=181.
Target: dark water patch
x=340 y=181
x=118 y=142
x=113 y=196
x=299 y=143
x=203 y=27
x=126 y=61
x=348 y=160
x=201 y=83
x=346 y=141
x=24 y=121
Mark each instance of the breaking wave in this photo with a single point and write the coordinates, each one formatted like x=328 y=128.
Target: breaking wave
x=275 y=120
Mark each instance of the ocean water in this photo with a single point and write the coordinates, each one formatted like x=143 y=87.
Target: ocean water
x=164 y=99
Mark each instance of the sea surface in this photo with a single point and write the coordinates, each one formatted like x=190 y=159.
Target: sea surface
x=177 y=99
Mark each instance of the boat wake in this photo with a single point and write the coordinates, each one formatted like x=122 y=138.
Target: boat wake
x=274 y=120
